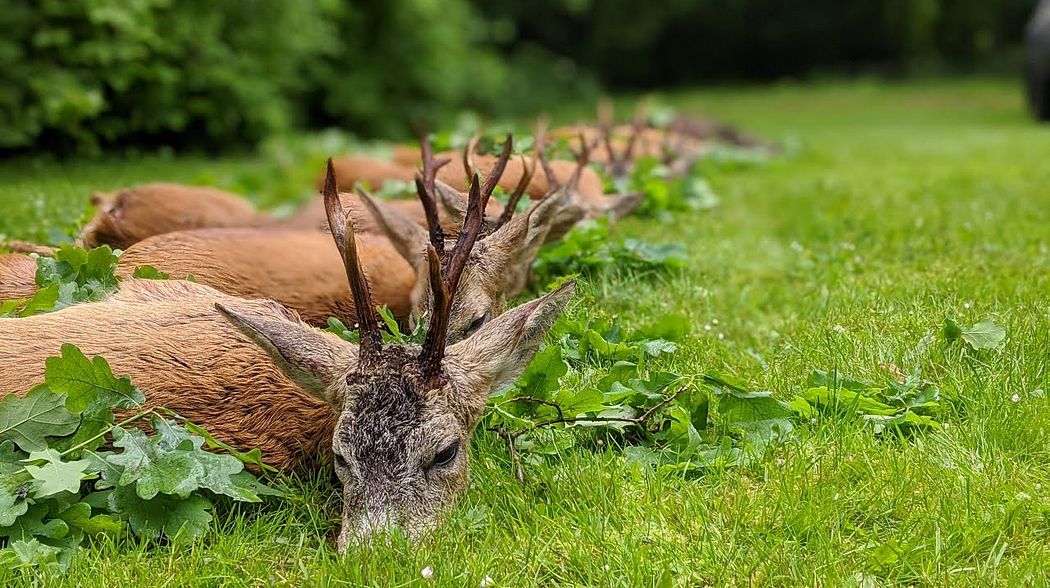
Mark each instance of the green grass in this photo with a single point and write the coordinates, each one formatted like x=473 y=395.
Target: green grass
x=898 y=206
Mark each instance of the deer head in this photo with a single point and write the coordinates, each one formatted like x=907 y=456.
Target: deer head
x=497 y=266
x=579 y=204
x=130 y=215
x=620 y=163
x=406 y=412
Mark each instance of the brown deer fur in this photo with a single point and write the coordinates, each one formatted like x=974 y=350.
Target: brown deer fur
x=371 y=171
x=133 y=214
x=387 y=412
x=299 y=269
x=184 y=356
x=450 y=211
x=17 y=276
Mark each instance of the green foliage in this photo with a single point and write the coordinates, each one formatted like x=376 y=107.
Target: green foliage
x=58 y=488
x=392 y=333
x=71 y=276
x=100 y=73
x=148 y=272
x=664 y=194
x=599 y=382
x=983 y=335
x=590 y=249
x=897 y=406
x=757 y=39
x=108 y=74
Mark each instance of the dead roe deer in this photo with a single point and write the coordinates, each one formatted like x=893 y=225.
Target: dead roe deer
x=395 y=419
x=130 y=215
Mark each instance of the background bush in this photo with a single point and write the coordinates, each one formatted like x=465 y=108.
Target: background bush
x=103 y=74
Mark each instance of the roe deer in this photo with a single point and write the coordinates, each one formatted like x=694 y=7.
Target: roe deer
x=298 y=268
x=133 y=214
x=501 y=261
x=397 y=419
x=585 y=187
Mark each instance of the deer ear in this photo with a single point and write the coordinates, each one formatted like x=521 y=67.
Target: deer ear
x=405 y=234
x=500 y=351
x=100 y=199
x=540 y=218
x=452 y=202
x=314 y=360
x=622 y=205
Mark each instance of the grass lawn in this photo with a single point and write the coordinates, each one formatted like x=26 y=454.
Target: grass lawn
x=898 y=207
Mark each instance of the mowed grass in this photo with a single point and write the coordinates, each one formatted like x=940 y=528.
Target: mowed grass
x=897 y=207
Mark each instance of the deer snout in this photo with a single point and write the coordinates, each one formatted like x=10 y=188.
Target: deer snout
x=369 y=525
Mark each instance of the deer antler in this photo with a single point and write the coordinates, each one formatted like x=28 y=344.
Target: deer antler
x=342 y=228
x=425 y=182
x=528 y=167
x=468 y=154
x=541 y=154
x=583 y=157
x=443 y=287
x=618 y=161
x=497 y=170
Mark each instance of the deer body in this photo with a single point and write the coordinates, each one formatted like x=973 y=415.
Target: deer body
x=299 y=269
x=183 y=355
x=371 y=171
x=133 y=214
x=403 y=414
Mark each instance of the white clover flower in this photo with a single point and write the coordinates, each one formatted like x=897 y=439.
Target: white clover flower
x=427 y=572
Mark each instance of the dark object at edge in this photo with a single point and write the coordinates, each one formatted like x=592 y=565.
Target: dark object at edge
x=1037 y=61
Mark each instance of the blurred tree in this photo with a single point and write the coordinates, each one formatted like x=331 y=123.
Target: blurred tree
x=98 y=74
x=102 y=73
x=660 y=42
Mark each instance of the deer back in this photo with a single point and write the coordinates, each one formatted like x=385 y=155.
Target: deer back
x=371 y=171
x=300 y=269
x=128 y=216
x=185 y=356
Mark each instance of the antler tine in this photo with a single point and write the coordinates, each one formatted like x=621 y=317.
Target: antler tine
x=497 y=170
x=605 y=127
x=468 y=154
x=639 y=124
x=342 y=228
x=426 y=198
x=528 y=170
x=583 y=157
x=468 y=235
x=541 y=154
x=437 y=330
x=425 y=186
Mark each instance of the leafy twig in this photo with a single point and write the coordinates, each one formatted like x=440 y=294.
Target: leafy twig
x=638 y=421
x=554 y=405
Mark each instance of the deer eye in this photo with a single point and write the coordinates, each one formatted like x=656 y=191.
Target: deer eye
x=340 y=461
x=476 y=324
x=445 y=456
